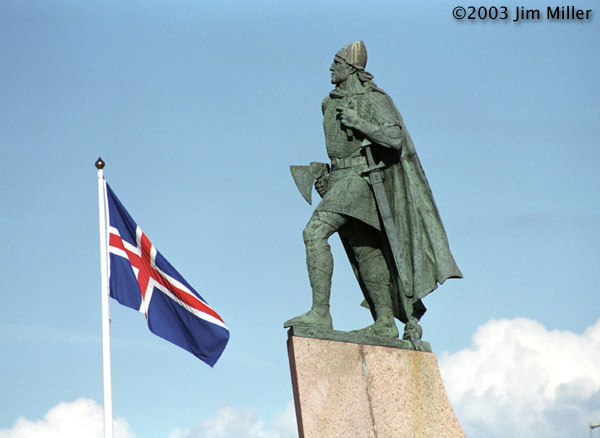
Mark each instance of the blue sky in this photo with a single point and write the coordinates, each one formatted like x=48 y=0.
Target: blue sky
x=198 y=109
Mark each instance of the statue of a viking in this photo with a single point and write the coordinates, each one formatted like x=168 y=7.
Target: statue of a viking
x=376 y=197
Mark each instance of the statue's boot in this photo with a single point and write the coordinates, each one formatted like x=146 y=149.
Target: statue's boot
x=384 y=326
x=376 y=278
x=318 y=316
x=319 y=262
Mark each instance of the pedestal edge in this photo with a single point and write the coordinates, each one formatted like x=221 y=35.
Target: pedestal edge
x=353 y=338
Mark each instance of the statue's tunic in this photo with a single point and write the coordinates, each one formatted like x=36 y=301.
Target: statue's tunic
x=348 y=191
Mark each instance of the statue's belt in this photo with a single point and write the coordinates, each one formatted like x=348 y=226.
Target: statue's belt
x=348 y=162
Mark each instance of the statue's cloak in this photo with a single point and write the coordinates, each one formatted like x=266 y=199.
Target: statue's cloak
x=425 y=250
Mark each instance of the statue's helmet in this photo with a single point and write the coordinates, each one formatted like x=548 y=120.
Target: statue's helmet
x=354 y=54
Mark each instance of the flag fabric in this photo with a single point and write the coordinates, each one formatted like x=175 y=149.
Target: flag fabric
x=141 y=278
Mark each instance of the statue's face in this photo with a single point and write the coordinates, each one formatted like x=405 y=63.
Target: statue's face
x=340 y=71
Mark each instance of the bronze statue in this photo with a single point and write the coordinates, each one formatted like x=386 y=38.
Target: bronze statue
x=376 y=197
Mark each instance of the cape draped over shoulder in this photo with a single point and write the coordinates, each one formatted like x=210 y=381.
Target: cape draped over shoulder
x=425 y=250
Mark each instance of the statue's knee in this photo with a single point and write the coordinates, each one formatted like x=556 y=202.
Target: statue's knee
x=307 y=234
x=368 y=254
x=316 y=233
x=312 y=238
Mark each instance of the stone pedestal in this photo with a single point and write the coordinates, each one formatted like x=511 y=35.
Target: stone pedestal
x=349 y=390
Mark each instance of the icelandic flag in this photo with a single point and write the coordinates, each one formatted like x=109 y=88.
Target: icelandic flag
x=141 y=278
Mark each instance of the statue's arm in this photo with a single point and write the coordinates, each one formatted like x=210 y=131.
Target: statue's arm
x=385 y=131
x=388 y=134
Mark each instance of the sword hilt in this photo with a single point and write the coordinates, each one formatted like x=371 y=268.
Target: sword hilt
x=374 y=168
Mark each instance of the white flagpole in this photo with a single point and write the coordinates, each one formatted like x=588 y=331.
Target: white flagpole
x=106 y=363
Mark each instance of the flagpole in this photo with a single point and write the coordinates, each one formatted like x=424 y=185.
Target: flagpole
x=106 y=362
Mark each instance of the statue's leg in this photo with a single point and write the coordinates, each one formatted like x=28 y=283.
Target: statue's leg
x=319 y=262
x=376 y=278
x=375 y=275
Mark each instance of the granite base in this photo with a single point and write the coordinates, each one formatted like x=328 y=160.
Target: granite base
x=350 y=390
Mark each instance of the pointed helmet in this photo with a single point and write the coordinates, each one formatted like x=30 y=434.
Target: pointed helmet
x=354 y=54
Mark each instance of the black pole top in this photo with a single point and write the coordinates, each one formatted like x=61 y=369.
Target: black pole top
x=100 y=164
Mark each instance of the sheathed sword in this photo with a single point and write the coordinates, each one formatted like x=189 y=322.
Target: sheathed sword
x=393 y=236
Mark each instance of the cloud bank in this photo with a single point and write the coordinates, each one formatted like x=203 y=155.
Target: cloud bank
x=519 y=379
x=242 y=423
x=85 y=418
x=82 y=418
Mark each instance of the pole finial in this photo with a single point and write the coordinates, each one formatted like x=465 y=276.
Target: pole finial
x=100 y=163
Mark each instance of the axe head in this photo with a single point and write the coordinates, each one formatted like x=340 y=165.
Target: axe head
x=304 y=179
x=305 y=176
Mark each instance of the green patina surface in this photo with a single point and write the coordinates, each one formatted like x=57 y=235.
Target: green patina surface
x=375 y=196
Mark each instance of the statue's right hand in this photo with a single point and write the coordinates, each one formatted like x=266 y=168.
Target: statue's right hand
x=322 y=185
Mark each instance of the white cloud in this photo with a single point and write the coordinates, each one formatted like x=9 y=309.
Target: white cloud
x=285 y=422
x=81 y=418
x=242 y=423
x=520 y=380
